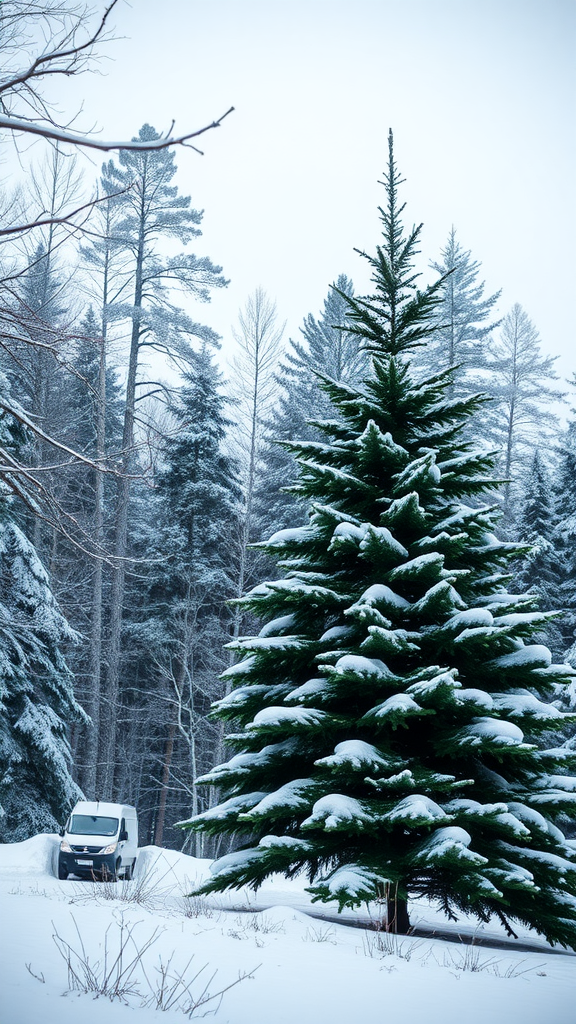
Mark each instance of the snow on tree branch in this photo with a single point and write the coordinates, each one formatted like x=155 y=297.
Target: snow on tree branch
x=57 y=134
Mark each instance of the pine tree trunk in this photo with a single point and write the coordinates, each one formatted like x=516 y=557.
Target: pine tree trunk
x=90 y=772
x=109 y=731
x=194 y=772
x=397 y=919
x=175 y=723
x=161 y=817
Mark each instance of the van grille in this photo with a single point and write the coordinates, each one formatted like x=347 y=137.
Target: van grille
x=86 y=849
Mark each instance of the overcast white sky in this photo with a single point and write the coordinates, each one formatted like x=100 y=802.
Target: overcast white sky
x=480 y=95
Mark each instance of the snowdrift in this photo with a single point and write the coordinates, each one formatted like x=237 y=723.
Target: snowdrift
x=297 y=967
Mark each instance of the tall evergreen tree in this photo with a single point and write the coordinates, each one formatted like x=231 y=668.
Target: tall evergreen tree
x=37 y=353
x=152 y=210
x=109 y=265
x=390 y=705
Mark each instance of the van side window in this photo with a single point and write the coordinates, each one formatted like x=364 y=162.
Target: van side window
x=123 y=825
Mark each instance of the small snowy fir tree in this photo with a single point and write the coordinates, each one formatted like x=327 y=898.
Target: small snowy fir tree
x=391 y=706
x=537 y=571
x=36 y=698
x=564 y=538
x=564 y=542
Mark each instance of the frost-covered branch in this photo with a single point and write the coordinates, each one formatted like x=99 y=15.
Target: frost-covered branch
x=55 y=134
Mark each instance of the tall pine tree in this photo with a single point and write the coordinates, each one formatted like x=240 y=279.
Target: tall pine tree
x=152 y=212
x=389 y=710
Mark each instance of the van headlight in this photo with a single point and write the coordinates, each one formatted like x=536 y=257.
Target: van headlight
x=65 y=847
x=109 y=849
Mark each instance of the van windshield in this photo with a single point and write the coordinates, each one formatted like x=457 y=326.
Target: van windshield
x=89 y=825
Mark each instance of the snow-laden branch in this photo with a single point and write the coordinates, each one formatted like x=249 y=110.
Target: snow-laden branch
x=56 y=134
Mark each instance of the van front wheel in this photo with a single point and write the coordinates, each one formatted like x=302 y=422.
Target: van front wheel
x=62 y=873
x=128 y=872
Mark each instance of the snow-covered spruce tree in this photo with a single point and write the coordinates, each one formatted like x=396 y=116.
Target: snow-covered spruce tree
x=390 y=707
x=36 y=698
x=186 y=618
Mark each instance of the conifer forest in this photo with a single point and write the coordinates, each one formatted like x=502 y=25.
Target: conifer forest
x=311 y=606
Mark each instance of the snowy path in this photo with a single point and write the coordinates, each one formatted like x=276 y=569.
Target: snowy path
x=311 y=971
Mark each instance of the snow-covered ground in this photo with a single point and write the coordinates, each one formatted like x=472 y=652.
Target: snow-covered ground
x=303 y=970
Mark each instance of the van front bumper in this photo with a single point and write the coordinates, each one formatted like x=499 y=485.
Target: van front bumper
x=86 y=865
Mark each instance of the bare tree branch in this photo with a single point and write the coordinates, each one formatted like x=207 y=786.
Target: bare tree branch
x=23 y=107
x=19 y=415
x=44 y=64
x=19 y=229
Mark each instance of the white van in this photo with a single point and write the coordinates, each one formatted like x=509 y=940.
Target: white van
x=99 y=840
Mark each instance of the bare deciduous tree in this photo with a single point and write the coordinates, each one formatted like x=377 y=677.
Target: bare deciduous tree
x=521 y=382
x=254 y=389
x=41 y=41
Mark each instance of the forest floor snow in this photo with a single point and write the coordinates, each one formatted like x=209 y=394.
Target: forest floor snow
x=58 y=937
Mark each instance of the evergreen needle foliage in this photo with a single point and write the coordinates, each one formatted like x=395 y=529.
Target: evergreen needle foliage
x=389 y=712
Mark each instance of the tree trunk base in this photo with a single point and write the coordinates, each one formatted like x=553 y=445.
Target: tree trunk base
x=397 y=919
